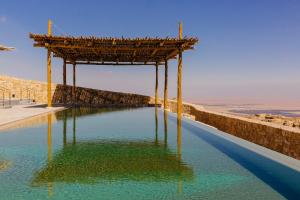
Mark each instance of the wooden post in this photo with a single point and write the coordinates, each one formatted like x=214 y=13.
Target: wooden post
x=64 y=81
x=179 y=77
x=166 y=86
x=49 y=80
x=156 y=84
x=65 y=73
x=74 y=84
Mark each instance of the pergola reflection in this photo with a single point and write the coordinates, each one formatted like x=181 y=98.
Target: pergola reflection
x=96 y=161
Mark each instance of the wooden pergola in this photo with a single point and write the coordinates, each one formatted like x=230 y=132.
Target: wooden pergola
x=115 y=51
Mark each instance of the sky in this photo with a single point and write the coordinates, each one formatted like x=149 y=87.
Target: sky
x=248 y=50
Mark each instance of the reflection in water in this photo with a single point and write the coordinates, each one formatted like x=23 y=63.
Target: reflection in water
x=179 y=149
x=156 y=125
x=65 y=128
x=49 y=138
x=179 y=137
x=49 y=141
x=4 y=165
x=74 y=126
x=43 y=119
x=87 y=111
x=90 y=162
x=166 y=127
x=110 y=160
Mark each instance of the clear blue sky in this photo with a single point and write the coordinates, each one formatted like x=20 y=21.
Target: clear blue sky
x=249 y=50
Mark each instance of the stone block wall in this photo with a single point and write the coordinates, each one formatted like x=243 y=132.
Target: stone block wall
x=282 y=140
x=37 y=90
x=24 y=89
x=99 y=98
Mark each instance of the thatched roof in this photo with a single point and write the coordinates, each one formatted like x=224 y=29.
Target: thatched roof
x=86 y=50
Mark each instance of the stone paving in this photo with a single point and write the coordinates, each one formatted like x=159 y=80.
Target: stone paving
x=20 y=112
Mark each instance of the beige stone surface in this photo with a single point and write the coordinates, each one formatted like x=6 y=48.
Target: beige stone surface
x=9 y=117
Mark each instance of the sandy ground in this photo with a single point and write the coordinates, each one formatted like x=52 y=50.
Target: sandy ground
x=20 y=112
x=284 y=116
x=226 y=108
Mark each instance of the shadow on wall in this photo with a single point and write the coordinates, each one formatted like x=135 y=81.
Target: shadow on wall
x=98 y=98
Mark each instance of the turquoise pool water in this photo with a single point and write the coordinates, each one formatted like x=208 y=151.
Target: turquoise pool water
x=132 y=154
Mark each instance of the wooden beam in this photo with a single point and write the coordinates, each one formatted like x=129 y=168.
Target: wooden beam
x=179 y=77
x=172 y=54
x=154 y=52
x=156 y=84
x=166 y=86
x=113 y=63
x=74 y=84
x=109 y=48
x=49 y=78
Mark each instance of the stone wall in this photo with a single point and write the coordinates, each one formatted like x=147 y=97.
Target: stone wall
x=25 y=89
x=37 y=90
x=99 y=98
x=283 y=140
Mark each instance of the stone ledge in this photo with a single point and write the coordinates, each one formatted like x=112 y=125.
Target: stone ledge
x=285 y=140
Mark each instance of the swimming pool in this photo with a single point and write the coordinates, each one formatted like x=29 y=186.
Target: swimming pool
x=139 y=153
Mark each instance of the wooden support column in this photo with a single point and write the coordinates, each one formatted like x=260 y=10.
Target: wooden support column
x=179 y=77
x=64 y=81
x=156 y=84
x=49 y=79
x=74 y=84
x=166 y=86
x=65 y=73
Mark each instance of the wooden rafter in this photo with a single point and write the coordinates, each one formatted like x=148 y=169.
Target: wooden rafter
x=113 y=50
